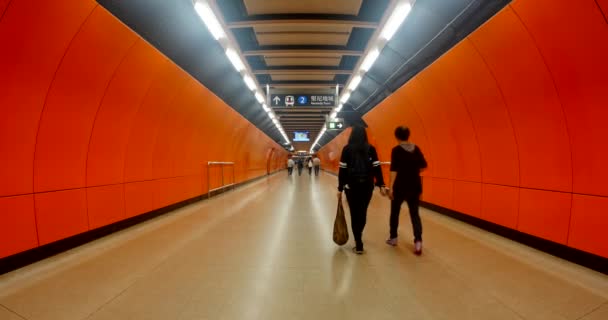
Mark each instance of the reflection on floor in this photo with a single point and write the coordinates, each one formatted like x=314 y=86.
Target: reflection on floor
x=265 y=251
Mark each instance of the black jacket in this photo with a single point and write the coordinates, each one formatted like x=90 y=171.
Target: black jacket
x=346 y=161
x=407 y=160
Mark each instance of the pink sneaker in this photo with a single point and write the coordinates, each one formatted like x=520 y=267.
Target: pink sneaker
x=418 y=247
x=392 y=242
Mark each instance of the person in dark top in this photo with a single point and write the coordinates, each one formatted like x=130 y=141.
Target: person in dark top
x=405 y=184
x=359 y=166
x=300 y=163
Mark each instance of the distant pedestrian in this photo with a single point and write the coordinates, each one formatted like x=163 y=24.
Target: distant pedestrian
x=405 y=184
x=317 y=164
x=309 y=166
x=300 y=163
x=290 y=164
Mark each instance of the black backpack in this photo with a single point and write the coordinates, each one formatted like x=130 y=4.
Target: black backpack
x=361 y=166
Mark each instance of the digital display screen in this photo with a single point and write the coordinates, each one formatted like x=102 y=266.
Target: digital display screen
x=300 y=136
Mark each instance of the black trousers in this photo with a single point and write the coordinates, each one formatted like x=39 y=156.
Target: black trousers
x=310 y=171
x=300 y=171
x=412 y=203
x=317 y=170
x=289 y=170
x=358 y=197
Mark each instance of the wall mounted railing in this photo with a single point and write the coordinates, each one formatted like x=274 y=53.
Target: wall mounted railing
x=223 y=185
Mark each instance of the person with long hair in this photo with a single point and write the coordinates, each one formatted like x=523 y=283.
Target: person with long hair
x=406 y=185
x=359 y=166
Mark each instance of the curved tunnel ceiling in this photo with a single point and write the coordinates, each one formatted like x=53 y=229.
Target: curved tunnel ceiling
x=297 y=48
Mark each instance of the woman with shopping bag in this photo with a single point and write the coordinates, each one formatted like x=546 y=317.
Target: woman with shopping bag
x=359 y=167
x=340 y=226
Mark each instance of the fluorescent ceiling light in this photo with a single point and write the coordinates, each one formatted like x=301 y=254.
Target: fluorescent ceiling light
x=260 y=97
x=339 y=107
x=204 y=11
x=333 y=115
x=235 y=59
x=394 y=22
x=271 y=115
x=369 y=60
x=265 y=107
x=249 y=82
x=345 y=97
x=354 y=83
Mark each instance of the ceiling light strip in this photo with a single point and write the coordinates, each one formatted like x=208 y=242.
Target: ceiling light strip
x=399 y=13
x=205 y=11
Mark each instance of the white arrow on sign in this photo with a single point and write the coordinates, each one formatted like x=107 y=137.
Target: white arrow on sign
x=339 y=125
x=277 y=100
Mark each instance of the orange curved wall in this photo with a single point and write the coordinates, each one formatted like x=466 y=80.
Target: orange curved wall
x=97 y=126
x=513 y=123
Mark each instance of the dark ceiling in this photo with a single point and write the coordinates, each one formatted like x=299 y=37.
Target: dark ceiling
x=303 y=47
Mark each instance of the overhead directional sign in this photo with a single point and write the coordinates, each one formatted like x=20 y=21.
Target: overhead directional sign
x=302 y=100
x=335 y=124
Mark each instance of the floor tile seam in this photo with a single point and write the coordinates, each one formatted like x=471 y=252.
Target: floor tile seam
x=168 y=257
x=89 y=251
x=534 y=258
x=110 y=300
x=605 y=303
x=66 y=260
x=143 y=274
x=481 y=287
x=12 y=311
x=488 y=289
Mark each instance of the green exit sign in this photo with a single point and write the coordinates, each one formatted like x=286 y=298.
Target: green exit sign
x=335 y=124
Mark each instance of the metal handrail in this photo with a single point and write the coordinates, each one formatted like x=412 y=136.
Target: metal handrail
x=383 y=163
x=223 y=186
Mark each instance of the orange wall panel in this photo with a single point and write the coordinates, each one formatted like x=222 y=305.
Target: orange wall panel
x=589 y=224
x=171 y=190
x=427 y=190
x=145 y=128
x=436 y=123
x=180 y=164
x=106 y=205
x=467 y=198
x=577 y=61
x=465 y=159
x=603 y=8
x=60 y=214
x=532 y=100
x=3 y=6
x=26 y=76
x=140 y=198
x=443 y=192
x=125 y=93
x=499 y=204
x=396 y=111
x=17 y=225
x=467 y=71
x=545 y=214
x=168 y=131
x=73 y=101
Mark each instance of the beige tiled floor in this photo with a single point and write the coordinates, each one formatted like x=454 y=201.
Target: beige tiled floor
x=264 y=251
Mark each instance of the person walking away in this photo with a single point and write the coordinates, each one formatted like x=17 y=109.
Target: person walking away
x=317 y=164
x=359 y=165
x=300 y=163
x=290 y=165
x=309 y=167
x=405 y=184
